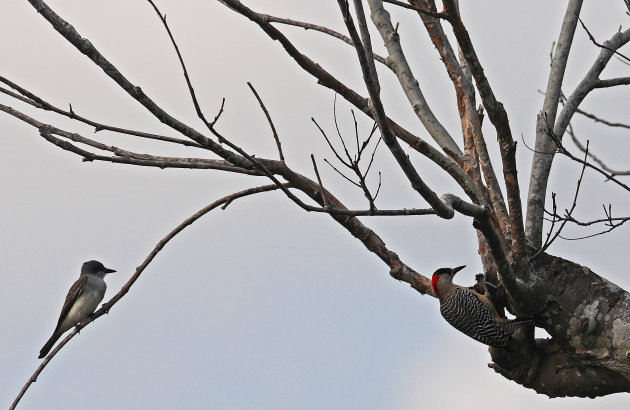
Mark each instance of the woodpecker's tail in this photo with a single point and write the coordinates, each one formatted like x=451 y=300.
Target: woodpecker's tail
x=511 y=326
x=49 y=344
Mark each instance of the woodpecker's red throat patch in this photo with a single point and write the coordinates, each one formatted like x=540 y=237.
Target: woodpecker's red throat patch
x=434 y=285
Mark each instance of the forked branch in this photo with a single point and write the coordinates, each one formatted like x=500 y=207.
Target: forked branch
x=545 y=145
x=499 y=119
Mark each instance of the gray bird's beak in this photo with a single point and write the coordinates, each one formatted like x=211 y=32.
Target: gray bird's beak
x=107 y=270
x=457 y=269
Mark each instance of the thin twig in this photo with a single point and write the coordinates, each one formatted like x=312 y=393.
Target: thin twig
x=319 y=180
x=553 y=221
x=401 y=4
x=216 y=117
x=608 y=221
x=332 y=148
x=185 y=71
x=378 y=188
x=367 y=140
x=273 y=129
x=321 y=29
x=356 y=134
x=353 y=163
x=343 y=144
x=341 y=173
x=38 y=102
x=550 y=239
x=579 y=238
x=592 y=156
x=604 y=46
x=372 y=157
x=601 y=120
x=612 y=223
x=418 y=9
x=562 y=150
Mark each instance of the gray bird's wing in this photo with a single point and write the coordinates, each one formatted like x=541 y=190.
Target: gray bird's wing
x=72 y=296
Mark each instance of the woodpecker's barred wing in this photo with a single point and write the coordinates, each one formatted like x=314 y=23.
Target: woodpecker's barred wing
x=467 y=314
x=513 y=325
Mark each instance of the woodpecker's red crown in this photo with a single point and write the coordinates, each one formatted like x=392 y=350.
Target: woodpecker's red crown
x=443 y=271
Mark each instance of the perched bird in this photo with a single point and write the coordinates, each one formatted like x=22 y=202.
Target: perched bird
x=470 y=312
x=82 y=300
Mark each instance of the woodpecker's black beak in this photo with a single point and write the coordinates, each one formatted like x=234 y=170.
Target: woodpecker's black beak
x=457 y=269
x=107 y=270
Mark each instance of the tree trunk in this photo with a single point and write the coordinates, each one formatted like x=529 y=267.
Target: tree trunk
x=588 y=318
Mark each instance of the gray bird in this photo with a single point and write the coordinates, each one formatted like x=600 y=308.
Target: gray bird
x=82 y=300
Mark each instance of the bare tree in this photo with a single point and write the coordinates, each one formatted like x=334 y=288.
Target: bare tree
x=587 y=316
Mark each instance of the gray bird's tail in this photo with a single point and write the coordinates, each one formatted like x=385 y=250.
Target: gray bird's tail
x=49 y=344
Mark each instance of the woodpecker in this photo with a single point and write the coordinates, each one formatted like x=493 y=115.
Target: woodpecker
x=470 y=312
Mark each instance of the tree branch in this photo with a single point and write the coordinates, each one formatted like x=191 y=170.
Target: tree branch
x=48 y=132
x=273 y=129
x=551 y=237
x=327 y=80
x=474 y=144
x=470 y=120
x=261 y=165
x=122 y=156
x=544 y=155
x=85 y=47
x=38 y=102
x=105 y=308
x=592 y=38
x=601 y=120
x=612 y=82
x=321 y=29
x=590 y=81
x=498 y=117
x=540 y=162
x=586 y=150
x=399 y=65
x=363 y=48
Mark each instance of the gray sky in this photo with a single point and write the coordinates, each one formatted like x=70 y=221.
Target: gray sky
x=261 y=305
